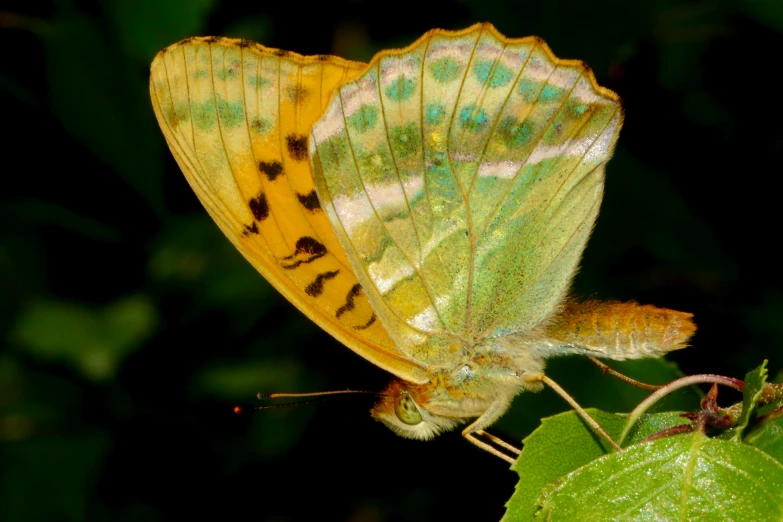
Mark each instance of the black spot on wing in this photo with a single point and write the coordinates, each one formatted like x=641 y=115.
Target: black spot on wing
x=348 y=306
x=308 y=249
x=367 y=324
x=308 y=245
x=309 y=201
x=297 y=146
x=250 y=229
x=316 y=288
x=212 y=39
x=259 y=207
x=272 y=169
x=281 y=52
x=244 y=42
x=323 y=57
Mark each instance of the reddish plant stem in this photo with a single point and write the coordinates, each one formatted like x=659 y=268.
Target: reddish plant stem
x=674 y=386
x=668 y=432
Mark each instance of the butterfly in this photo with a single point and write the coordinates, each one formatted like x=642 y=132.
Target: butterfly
x=428 y=209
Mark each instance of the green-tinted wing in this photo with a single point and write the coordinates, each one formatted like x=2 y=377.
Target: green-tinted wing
x=463 y=176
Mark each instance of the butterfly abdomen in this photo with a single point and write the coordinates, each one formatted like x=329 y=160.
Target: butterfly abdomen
x=620 y=331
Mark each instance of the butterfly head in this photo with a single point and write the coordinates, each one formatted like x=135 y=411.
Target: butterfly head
x=403 y=408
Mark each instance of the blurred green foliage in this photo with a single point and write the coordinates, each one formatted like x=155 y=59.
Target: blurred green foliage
x=132 y=326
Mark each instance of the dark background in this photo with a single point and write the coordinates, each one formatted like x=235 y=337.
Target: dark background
x=131 y=327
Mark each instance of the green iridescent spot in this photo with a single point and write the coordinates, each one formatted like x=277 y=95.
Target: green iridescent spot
x=204 y=114
x=528 y=89
x=375 y=165
x=488 y=72
x=406 y=139
x=257 y=81
x=514 y=133
x=577 y=108
x=551 y=93
x=472 y=118
x=444 y=194
x=401 y=89
x=445 y=69
x=333 y=151
x=434 y=113
x=363 y=119
x=231 y=113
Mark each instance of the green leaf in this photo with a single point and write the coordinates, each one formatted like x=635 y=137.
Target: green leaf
x=92 y=340
x=684 y=477
x=651 y=424
x=768 y=434
x=754 y=385
x=574 y=444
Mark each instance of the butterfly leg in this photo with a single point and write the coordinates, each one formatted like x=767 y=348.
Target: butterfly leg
x=500 y=442
x=471 y=437
x=582 y=413
x=606 y=369
x=476 y=429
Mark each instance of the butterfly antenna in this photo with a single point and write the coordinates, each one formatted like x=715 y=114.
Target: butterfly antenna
x=284 y=405
x=264 y=396
x=319 y=396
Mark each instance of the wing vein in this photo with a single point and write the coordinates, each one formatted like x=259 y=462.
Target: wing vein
x=500 y=113
x=396 y=167
x=425 y=170
x=502 y=196
x=465 y=197
x=451 y=122
x=339 y=222
x=265 y=246
x=562 y=183
x=219 y=120
x=199 y=179
x=383 y=225
x=469 y=217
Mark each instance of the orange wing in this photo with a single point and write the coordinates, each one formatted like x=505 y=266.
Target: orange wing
x=237 y=117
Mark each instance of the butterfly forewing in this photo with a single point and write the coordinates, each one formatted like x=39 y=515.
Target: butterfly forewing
x=237 y=117
x=463 y=176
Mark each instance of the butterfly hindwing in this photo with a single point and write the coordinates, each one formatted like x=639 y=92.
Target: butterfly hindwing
x=463 y=176
x=237 y=117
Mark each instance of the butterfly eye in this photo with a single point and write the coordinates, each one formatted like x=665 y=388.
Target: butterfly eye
x=406 y=410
